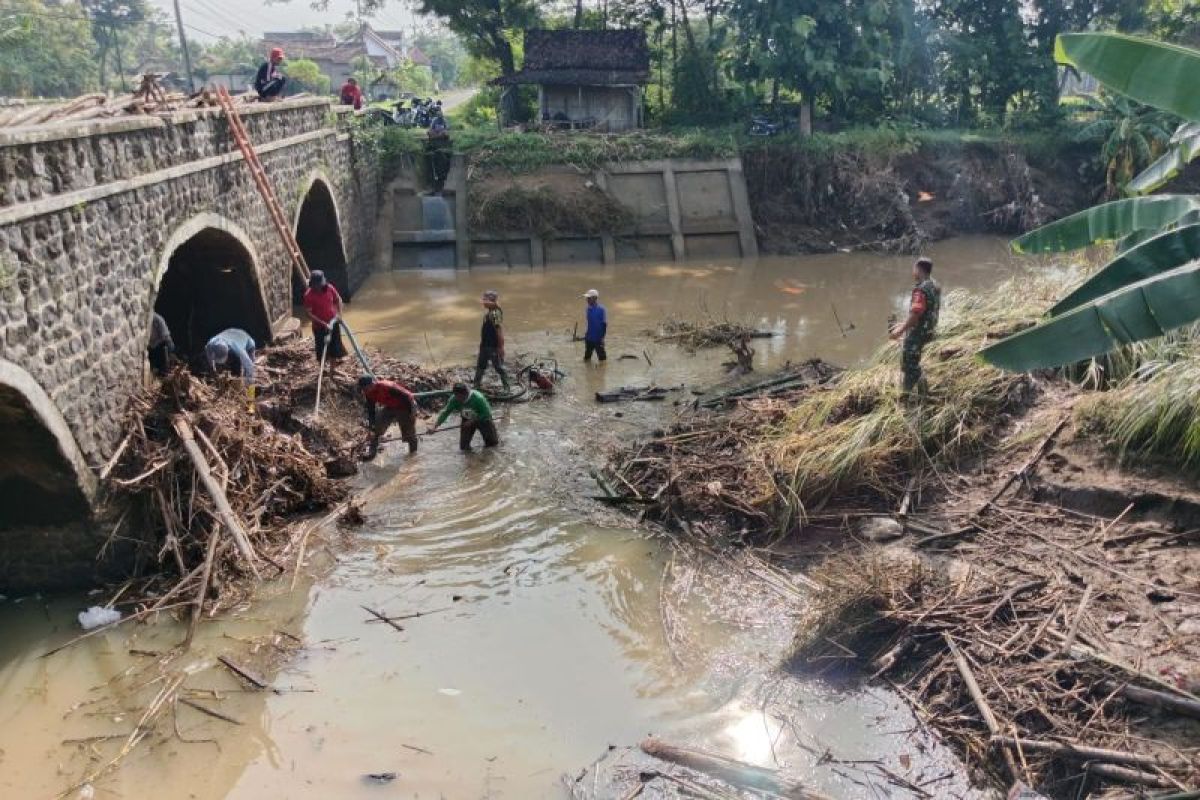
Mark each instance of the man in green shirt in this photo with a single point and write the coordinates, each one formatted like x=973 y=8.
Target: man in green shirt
x=476 y=416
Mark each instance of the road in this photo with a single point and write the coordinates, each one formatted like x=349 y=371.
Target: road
x=456 y=97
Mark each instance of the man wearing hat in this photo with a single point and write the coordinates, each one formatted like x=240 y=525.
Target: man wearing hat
x=270 y=80
x=233 y=349
x=324 y=306
x=597 y=327
x=491 y=340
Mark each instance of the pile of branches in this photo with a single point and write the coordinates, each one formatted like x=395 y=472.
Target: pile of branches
x=1033 y=663
x=709 y=333
x=270 y=461
x=707 y=467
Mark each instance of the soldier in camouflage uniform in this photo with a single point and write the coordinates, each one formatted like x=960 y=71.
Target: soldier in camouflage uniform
x=918 y=329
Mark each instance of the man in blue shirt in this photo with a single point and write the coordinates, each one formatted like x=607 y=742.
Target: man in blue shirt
x=597 y=327
x=233 y=349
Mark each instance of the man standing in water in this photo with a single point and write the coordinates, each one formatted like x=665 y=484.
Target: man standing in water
x=476 y=416
x=597 y=328
x=398 y=405
x=491 y=340
x=918 y=329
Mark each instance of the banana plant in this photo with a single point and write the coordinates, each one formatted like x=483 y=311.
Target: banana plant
x=1153 y=285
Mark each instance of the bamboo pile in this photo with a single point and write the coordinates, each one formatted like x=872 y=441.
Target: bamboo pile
x=706 y=333
x=1048 y=656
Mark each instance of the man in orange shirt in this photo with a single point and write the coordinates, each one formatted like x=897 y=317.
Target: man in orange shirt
x=324 y=306
x=397 y=405
x=351 y=95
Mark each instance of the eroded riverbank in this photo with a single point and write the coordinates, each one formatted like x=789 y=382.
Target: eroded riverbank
x=559 y=644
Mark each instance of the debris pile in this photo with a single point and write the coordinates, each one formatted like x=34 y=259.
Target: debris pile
x=214 y=484
x=709 y=333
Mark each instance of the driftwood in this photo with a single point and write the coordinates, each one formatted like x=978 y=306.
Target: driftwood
x=736 y=773
x=1079 y=752
x=1160 y=700
x=981 y=703
x=244 y=674
x=226 y=512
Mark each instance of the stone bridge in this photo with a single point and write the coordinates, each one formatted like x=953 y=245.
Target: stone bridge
x=104 y=222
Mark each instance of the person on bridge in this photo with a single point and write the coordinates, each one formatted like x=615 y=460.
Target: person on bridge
x=476 y=415
x=918 y=329
x=597 y=328
x=399 y=405
x=324 y=306
x=491 y=340
x=351 y=95
x=270 y=80
x=160 y=346
x=232 y=349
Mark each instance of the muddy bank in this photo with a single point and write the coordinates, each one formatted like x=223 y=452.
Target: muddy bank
x=1036 y=602
x=901 y=197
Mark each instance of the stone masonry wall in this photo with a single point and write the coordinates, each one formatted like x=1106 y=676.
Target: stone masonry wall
x=77 y=284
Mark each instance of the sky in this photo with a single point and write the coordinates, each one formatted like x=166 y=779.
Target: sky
x=207 y=19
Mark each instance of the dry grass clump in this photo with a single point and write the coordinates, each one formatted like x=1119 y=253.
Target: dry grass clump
x=548 y=212
x=860 y=435
x=851 y=617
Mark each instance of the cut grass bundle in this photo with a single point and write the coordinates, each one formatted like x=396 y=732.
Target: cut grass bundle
x=548 y=213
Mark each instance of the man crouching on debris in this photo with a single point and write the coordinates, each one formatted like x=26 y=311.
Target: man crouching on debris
x=399 y=406
x=918 y=330
x=232 y=349
x=476 y=416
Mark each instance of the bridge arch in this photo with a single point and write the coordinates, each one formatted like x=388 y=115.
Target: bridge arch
x=44 y=479
x=318 y=228
x=208 y=280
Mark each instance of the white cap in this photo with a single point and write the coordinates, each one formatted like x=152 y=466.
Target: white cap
x=591 y=293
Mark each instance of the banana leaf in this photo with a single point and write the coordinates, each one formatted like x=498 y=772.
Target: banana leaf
x=1140 y=311
x=1161 y=254
x=1155 y=73
x=1108 y=222
x=1185 y=146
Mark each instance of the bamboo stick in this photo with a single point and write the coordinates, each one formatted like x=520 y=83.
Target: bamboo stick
x=224 y=509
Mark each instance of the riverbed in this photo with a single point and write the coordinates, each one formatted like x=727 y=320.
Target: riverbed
x=542 y=627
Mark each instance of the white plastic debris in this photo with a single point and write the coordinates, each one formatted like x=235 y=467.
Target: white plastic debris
x=96 y=616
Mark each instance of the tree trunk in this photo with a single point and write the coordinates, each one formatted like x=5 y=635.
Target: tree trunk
x=688 y=33
x=578 y=13
x=806 y=115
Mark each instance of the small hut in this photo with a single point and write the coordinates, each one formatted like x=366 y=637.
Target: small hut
x=585 y=79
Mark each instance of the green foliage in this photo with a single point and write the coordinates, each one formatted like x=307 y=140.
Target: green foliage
x=307 y=76
x=1131 y=136
x=1108 y=222
x=45 y=50
x=1157 y=74
x=484 y=25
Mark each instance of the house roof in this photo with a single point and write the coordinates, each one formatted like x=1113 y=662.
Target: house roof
x=327 y=47
x=584 y=57
x=417 y=56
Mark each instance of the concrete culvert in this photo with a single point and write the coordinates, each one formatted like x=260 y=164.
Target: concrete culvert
x=211 y=284
x=320 y=238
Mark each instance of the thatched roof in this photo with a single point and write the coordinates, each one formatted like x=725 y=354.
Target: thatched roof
x=584 y=58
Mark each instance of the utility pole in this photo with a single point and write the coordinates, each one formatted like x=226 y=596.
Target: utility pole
x=187 y=58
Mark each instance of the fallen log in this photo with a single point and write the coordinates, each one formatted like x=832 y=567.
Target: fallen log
x=1127 y=775
x=1159 y=700
x=985 y=710
x=736 y=773
x=224 y=509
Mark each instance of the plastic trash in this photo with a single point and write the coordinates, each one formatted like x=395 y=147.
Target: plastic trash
x=97 y=616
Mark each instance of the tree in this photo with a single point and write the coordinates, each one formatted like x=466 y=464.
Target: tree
x=307 y=75
x=1153 y=285
x=45 y=50
x=111 y=19
x=484 y=26
x=447 y=56
x=1131 y=136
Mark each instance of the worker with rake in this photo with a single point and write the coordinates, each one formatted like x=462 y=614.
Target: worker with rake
x=918 y=329
x=324 y=306
x=476 y=415
x=397 y=404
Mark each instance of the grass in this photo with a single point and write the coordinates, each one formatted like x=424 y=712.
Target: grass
x=1153 y=415
x=860 y=435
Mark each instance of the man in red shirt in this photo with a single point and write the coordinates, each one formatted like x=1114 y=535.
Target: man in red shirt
x=398 y=405
x=351 y=95
x=324 y=306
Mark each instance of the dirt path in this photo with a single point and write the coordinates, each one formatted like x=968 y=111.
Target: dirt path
x=456 y=97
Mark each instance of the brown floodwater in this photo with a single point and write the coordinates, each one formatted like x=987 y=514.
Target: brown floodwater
x=550 y=627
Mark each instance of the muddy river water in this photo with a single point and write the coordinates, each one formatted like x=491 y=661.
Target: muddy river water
x=546 y=639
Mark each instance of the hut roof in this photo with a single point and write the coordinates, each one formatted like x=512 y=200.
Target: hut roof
x=584 y=58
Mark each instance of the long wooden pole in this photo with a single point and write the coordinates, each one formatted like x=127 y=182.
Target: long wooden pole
x=224 y=510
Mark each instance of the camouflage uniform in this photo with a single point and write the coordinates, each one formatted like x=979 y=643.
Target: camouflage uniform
x=916 y=339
